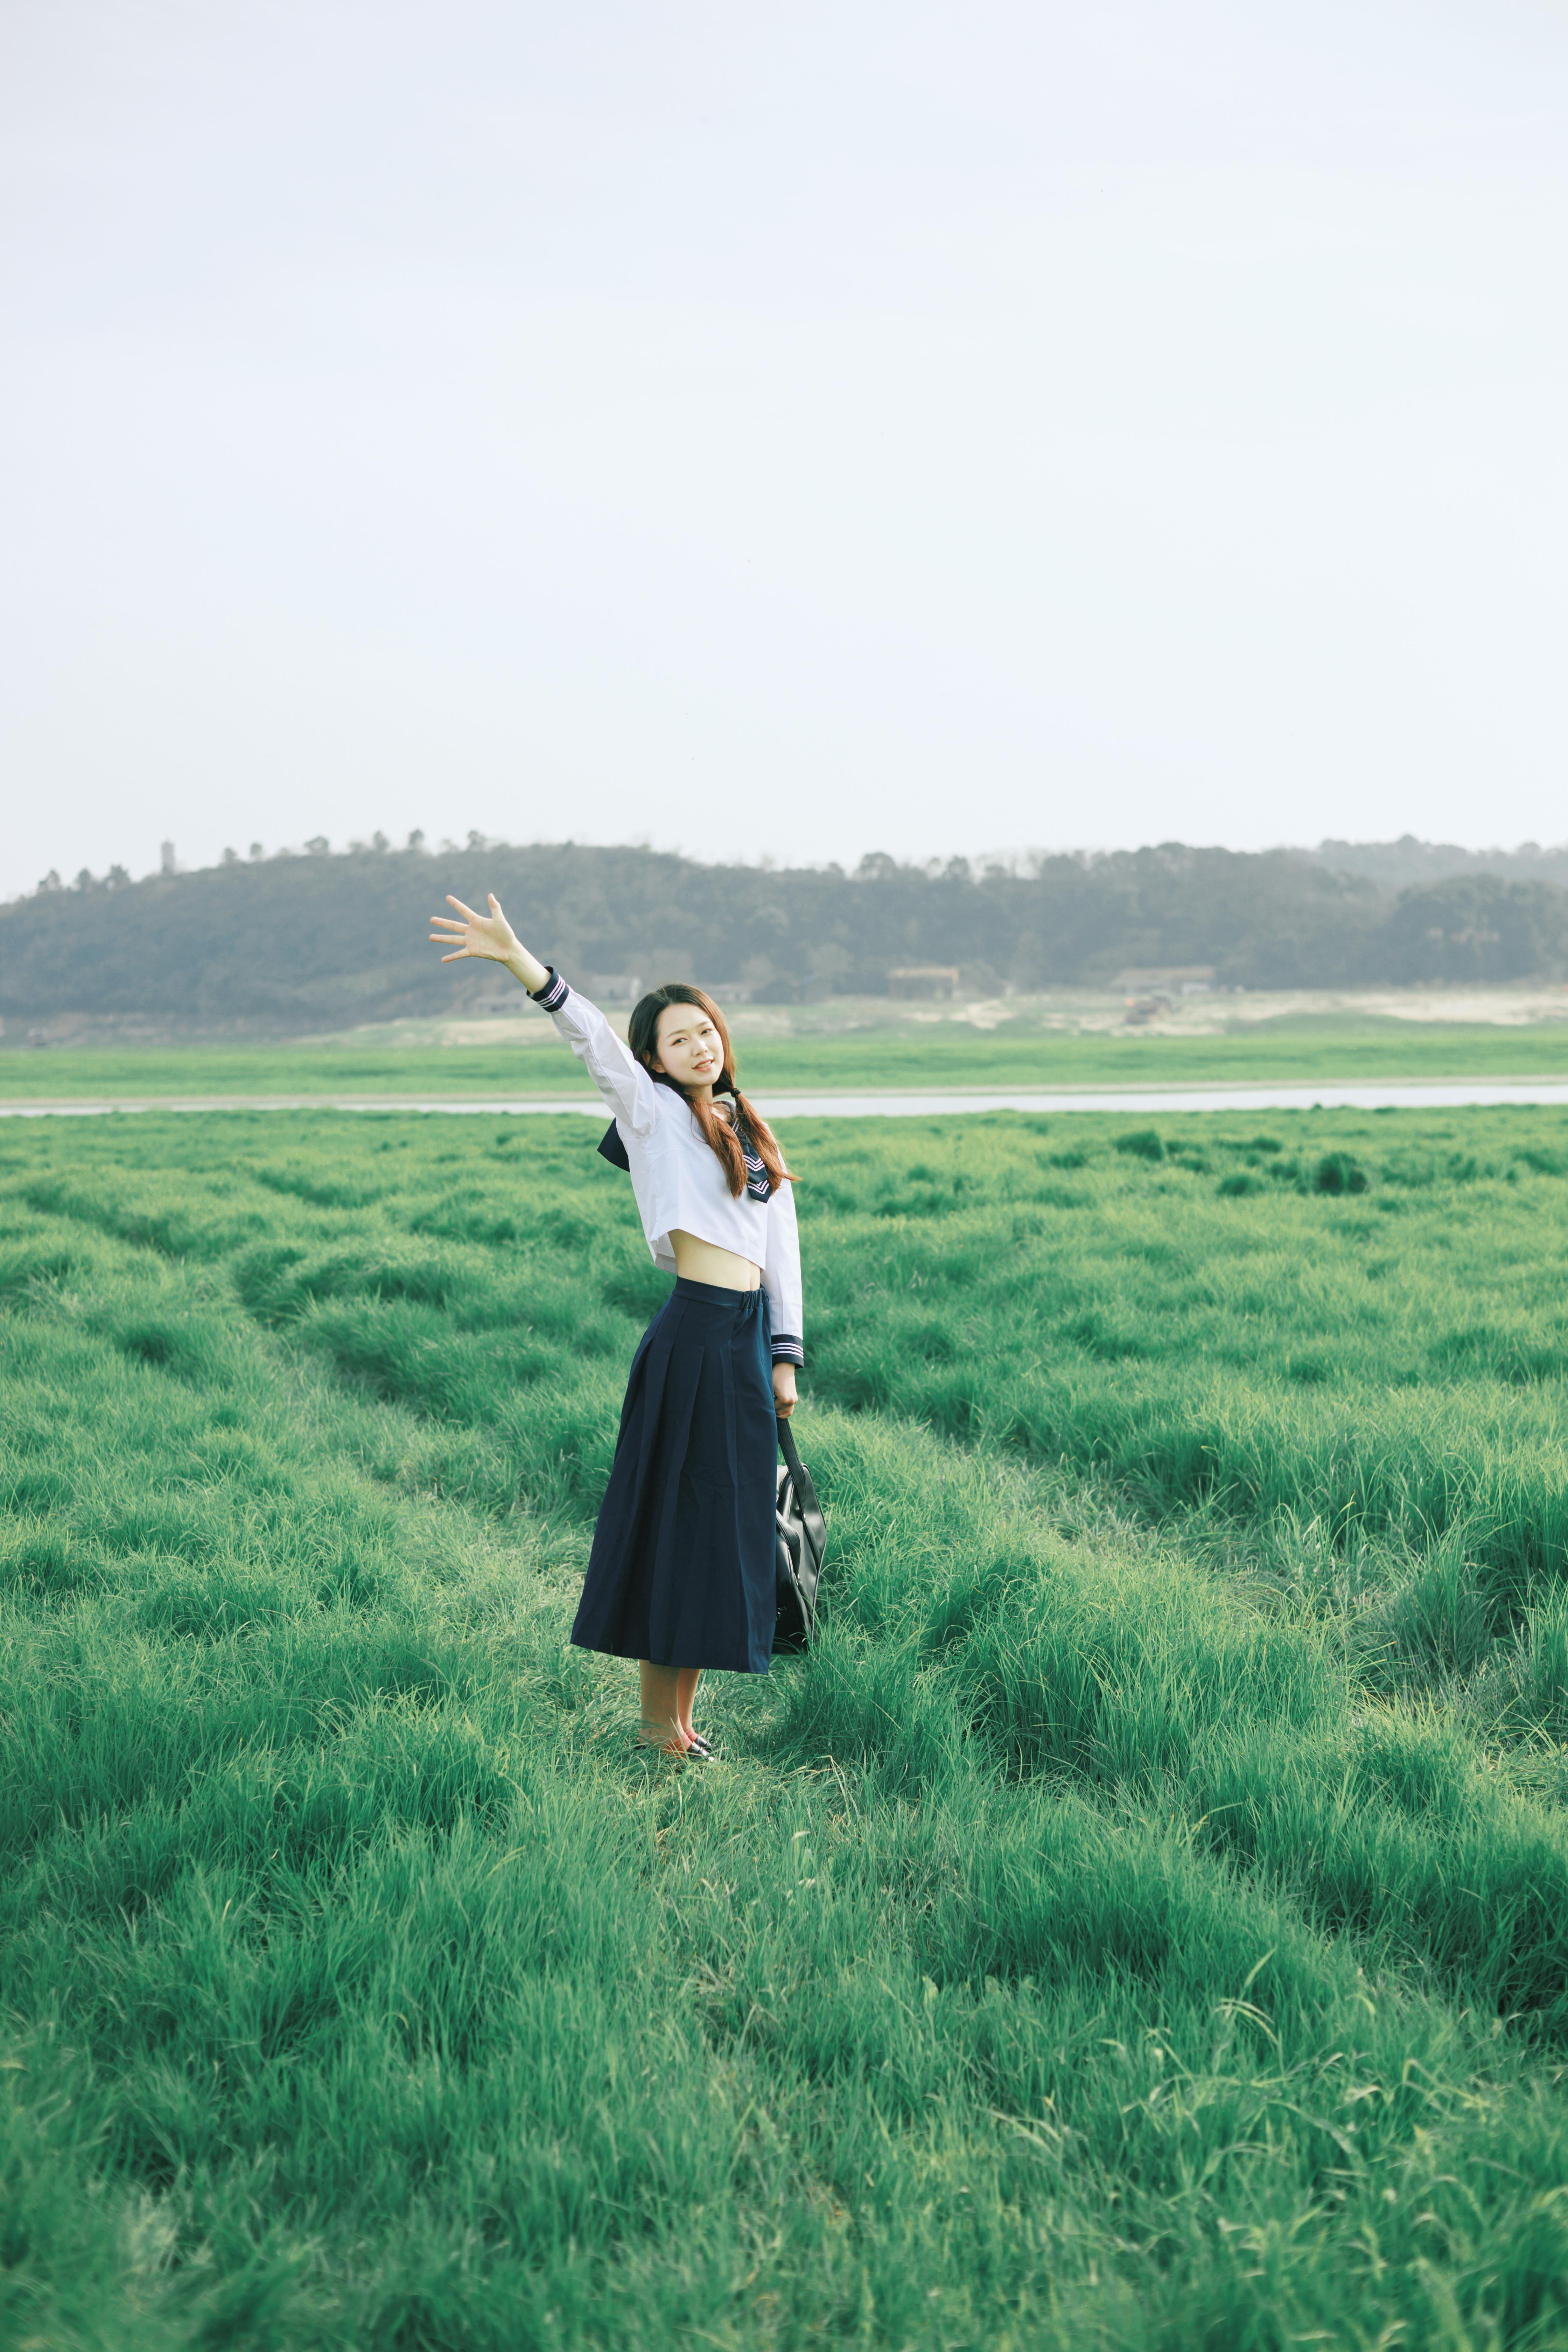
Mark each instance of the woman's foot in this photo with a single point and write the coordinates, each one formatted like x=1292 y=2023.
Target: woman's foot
x=696 y=1746
x=666 y=1738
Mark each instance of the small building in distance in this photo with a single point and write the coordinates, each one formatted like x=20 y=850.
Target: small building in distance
x=611 y=987
x=924 y=980
x=1153 y=989
x=1167 y=979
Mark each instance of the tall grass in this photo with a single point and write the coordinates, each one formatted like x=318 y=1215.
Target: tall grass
x=1138 y=1922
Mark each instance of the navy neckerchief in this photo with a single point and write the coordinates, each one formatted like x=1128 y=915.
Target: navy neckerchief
x=612 y=1149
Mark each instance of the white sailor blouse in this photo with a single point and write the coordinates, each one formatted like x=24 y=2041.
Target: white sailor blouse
x=677 y=1177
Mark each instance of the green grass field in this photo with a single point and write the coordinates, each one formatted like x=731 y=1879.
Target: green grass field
x=947 y=1054
x=1141 y=1923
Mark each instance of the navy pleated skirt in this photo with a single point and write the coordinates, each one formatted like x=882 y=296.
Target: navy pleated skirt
x=682 y=1565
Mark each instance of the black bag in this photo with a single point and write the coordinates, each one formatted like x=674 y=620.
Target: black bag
x=802 y=1540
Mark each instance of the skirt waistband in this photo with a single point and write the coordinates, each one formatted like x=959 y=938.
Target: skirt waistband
x=719 y=1293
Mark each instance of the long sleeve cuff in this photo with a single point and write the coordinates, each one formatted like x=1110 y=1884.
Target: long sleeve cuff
x=787 y=1349
x=553 y=993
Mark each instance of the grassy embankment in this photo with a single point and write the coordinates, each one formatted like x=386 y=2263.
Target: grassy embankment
x=528 y=1060
x=1142 y=1922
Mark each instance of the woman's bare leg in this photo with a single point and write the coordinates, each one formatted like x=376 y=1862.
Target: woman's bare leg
x=685 y=1695
x=661 y=1726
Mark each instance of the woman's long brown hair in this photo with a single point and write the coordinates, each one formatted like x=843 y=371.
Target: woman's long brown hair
x=723 y=1137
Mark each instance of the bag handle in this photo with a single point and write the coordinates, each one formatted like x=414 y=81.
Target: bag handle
x=810 y=1509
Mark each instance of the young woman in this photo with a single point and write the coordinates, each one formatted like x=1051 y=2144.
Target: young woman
x=681 y=1573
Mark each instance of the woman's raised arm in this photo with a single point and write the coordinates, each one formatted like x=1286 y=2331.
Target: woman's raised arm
x=621 y=1079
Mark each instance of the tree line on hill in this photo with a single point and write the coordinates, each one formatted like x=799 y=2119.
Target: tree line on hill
x=317 y=939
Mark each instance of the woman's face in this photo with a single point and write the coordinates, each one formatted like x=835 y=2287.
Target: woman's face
x=687 y=1047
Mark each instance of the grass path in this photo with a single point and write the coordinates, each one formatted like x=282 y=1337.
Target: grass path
x=1141 y=1923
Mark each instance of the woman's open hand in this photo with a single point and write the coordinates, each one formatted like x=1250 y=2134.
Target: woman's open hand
x=490 y=937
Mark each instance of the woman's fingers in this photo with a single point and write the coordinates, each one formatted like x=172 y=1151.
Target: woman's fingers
x=474 y=935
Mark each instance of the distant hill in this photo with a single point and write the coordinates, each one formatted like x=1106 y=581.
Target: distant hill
x=1408 y=864
x=296 y=942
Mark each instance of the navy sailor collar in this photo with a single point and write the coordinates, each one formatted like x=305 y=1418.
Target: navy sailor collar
x=612 y=1149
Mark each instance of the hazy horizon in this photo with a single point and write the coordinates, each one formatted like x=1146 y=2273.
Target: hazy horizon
x=1016 y=854
x=871 y=430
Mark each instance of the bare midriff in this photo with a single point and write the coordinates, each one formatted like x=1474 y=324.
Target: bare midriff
x=700 y=1261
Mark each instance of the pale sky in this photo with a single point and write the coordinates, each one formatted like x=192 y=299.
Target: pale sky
x=797 y=431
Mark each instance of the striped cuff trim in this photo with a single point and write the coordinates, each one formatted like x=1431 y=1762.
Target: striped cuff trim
x=787 y=1349
x=553 y=993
